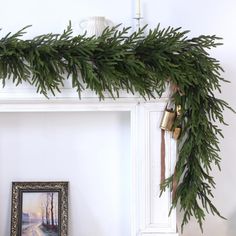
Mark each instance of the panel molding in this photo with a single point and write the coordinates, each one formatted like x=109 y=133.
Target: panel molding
x=153 y=210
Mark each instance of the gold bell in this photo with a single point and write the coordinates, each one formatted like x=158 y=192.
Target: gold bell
x=176 y=133
x=178 y=110
x=177 y=130
x=168 y=120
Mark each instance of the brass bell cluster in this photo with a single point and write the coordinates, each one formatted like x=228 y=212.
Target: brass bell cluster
x=170 y=117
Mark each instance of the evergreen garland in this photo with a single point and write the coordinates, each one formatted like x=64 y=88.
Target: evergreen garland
x=140 y=64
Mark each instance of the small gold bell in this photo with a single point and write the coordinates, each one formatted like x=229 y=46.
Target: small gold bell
x=178 y=110
x=176 y=133
x=168 y=120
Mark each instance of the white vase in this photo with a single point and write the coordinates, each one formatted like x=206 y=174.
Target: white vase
x=95 y=25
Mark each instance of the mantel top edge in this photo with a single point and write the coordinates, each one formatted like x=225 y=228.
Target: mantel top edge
x=24 y=95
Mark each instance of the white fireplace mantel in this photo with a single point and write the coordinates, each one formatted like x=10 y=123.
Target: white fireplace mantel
x=149 y=212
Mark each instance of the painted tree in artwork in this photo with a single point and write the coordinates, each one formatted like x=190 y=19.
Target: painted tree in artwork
x=47 y=209
x=52 y=212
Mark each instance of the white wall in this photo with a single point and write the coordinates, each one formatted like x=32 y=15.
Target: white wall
x=200 y=16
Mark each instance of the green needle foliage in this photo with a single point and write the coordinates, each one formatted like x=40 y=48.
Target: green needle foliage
x=142 y=64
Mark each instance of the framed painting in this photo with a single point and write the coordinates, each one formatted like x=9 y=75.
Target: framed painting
x=39 y=208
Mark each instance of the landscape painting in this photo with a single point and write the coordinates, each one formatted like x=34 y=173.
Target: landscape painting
x=39 y=209
x=39 y=214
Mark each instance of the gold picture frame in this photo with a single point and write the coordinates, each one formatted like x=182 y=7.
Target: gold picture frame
x=39 y=207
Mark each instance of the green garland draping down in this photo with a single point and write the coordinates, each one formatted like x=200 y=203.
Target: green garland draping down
x=142 y=64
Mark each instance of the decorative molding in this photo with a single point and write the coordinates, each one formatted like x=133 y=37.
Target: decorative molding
x=154 y=210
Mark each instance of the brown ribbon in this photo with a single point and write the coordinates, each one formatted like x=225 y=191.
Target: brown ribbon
x=176 y=89
x=163 y=153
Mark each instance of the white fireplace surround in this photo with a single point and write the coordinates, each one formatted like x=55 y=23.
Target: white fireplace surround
x=149 y=212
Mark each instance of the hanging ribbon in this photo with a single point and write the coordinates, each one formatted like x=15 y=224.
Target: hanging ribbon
x=166 y=125
x=171 y=113
x=163 y=154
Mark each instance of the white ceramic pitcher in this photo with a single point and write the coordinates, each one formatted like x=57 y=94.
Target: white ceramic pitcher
x=95 y=25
